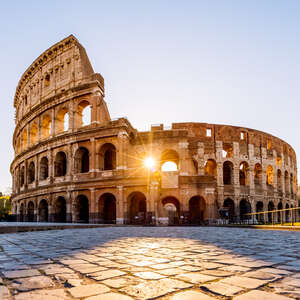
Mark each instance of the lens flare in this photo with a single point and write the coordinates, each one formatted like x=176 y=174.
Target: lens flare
x=149 y=163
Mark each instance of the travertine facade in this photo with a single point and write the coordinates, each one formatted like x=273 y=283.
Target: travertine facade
x=73 y=163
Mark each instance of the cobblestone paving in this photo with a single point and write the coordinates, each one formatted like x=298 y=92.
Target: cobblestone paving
x=168 y=263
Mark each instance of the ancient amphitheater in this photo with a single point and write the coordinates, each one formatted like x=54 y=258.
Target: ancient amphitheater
x=73 y=163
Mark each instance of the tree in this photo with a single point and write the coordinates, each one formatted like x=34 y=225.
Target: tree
x=5 y=207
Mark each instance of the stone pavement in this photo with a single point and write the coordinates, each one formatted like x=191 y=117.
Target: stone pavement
x=11 y=227
x=167 y=263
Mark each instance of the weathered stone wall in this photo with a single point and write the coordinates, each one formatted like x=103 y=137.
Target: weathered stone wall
x=94 y=172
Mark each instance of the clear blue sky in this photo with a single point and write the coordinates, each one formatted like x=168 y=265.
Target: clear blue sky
x=233 y=62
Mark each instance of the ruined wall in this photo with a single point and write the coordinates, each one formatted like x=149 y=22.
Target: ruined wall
x=69 y=168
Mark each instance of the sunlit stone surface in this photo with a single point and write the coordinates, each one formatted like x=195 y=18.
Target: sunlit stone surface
x=150 y=262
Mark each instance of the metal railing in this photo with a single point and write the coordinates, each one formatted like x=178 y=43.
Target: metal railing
x=284 y=217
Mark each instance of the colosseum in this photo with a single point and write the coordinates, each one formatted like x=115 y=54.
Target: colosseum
x=73 y=163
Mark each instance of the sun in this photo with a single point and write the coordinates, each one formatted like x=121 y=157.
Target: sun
x=149 y=162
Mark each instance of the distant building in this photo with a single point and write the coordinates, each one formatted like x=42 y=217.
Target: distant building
x=74 y=163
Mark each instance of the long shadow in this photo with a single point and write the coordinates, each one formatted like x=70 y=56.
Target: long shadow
x=268 y=248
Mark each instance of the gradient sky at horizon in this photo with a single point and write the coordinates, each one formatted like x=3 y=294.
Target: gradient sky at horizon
x=229 y=62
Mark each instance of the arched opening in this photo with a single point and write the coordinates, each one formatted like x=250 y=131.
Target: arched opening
x=169 y=161
x=30 y=212
x=82 y=160
x=287 y=213
x=279 y=187
x=22 y=213
x=286 y=182
x=271 y=207
x=60 y=164
x=24 y=140
x=260 y=208
x=211 y=168
x=229 y=205
x=197 y=210
x=244 y=173
x=31 y=172
x=171 y=208
x=43 y=211
x=257 y=174
x=47 y=80
x=60 y=210
x=292 y=184
x=62 y=120
x=107 y=209
x=82 y=209
x=279 y=214
x=46 y=126
x=84 y=113
x=245 y=208
x=108 y=157
x=137 y=208
x=18 y=146
x=22 y=176
x=33 y=133
x=270 y=176
x=44 y=168
x=228 y=172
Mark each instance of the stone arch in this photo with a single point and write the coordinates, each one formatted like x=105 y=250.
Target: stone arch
x=43 y=211
x=228 y=172
x=211 y=168
x=137 y=208
x=46 y=126
x=260 y=208
x=286 y=181
x=82 y=160
x=62 y=120
x=22 y=176
x=279 y=176
x=108 y=157
x=24 y=139
x=44 y=168
x=33 y=133
x=60 y=209
x=197 y=207
x=271 y=207
x=257 y=174
x=84 y=113
x=30 y=211
x=18 y=145
x=22 y=212
x=292 y=184
x=31 y=172
x=169 y=160
x=171 y=210
x=270 y=175
x=60 y=164
x=279 y=214
x=229 y=204
x=287 y=213
x=245 y=208
x=244 y=173
x=107 y=208
x=82 y=209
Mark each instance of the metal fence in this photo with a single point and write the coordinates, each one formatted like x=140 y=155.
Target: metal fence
x=285 y=217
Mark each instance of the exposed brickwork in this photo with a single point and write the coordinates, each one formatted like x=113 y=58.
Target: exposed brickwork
x=94 y=172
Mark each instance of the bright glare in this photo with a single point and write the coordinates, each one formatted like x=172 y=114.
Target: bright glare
x=169 y=166
x=149 y=163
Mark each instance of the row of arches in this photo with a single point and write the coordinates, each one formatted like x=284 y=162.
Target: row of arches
x=60 y=124
x=137 y=210
x=246 y=208
x=244 y=175
x=81 y=164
